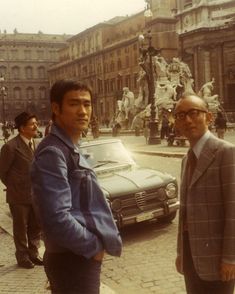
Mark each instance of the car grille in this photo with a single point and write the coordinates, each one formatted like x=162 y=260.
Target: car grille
x=142 y=201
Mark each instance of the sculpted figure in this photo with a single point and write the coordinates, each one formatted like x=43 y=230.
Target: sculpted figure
x=128 y=100
x=179 y=73
x=174 y=71
x=206 y=89
x=206 y=93
x=165 y=96
x=160 y=66
x=140 y=101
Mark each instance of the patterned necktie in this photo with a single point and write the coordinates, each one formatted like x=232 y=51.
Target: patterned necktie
x=191 y=164
x=31 y=146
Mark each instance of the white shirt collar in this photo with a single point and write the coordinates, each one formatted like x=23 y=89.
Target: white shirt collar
x=26 y=140
x=197 y=148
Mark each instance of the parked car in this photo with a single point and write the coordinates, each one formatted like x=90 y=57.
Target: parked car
x=135 y=194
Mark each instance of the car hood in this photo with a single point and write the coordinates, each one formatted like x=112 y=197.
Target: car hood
x=125 y=182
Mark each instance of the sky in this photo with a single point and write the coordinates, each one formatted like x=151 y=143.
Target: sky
x=62 y=16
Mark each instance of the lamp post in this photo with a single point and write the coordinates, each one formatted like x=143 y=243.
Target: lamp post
x=148 y=11
x=146 y=62
x=3 y=94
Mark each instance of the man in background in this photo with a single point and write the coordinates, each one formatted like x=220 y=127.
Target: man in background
x=15 y=161
x=220 y=125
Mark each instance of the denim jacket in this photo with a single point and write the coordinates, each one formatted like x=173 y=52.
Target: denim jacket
x=73 y=211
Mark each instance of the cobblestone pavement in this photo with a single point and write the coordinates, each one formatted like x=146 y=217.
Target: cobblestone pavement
x=150 y=247
x=147 y=263
x=14 y=279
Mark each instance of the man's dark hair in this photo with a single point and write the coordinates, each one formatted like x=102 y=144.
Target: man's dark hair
x=22 y=119
x=61 y=87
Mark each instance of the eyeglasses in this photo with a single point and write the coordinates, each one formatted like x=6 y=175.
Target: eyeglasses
x=192 y=113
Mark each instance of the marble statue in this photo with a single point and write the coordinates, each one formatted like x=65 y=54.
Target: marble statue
x=212 y=100
x=128 y=101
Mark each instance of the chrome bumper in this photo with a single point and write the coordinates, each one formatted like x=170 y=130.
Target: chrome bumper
x=148 y=215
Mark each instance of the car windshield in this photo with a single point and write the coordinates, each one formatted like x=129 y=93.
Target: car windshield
x=111 y=153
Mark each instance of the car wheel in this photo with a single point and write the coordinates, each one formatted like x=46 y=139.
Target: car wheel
x=169 y=218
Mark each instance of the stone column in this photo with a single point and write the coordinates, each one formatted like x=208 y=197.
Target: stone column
x=219 y=49
x=207 y=67
x=196 y=72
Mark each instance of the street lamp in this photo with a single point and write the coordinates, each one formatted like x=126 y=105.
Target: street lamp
x=148 y=11
x=3 y=95
x=146 y=62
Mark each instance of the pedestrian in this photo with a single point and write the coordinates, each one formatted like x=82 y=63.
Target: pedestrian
x=48 y=128
x=15 y=160
x=5 y=132
x=206 y=237
x=164 y=127
x=146 y=130
x=116 y=129
x=95 y=127
x=220 y=125
x=76 y=219
x=106 y=122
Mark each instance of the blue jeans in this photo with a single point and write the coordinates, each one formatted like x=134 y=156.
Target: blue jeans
x=69 y=273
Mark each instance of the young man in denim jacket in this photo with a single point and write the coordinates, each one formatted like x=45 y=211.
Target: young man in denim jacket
x=76 y=219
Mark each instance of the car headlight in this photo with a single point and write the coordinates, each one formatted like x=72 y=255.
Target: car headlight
x=171 y=190
x=116 y=205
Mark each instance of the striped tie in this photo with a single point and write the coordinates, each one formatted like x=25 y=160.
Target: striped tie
x=31 y=146
x=191 y=164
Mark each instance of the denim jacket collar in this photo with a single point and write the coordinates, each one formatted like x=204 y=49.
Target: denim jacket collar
x=61 y=134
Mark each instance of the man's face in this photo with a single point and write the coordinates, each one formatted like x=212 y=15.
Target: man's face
x=192 y=118
x=75 y=112
x=30 y=129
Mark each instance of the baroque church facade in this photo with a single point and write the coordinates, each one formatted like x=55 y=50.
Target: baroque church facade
x=207 y=44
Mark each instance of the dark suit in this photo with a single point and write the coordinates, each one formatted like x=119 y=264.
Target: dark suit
x=15 y=162
x=209 y=203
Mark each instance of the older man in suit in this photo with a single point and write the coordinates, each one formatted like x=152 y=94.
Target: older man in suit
x=206 y=237
x=15 y=160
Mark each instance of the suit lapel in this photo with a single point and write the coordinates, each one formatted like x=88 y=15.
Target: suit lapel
x=206 y=158
x=183 y=186
x=23 y=148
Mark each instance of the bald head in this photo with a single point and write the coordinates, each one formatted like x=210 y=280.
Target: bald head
x=192 y=117
x=194 y=99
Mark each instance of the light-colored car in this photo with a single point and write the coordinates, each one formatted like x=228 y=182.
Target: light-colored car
x=135 y=194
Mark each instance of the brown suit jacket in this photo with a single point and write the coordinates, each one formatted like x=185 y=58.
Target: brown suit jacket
x=210 y=208
x=15 y=162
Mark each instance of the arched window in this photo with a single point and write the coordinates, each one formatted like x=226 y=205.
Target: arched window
x=30 y=93
x=119 y=64
x=41 y=72
x=3 y=71
x=29 y=72
x=42 y=92
x=16 y=72
x=17 y=93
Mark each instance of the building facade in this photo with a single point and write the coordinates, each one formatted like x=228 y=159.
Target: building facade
x=24 y=63
x=106 y=56
x=207 y=43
